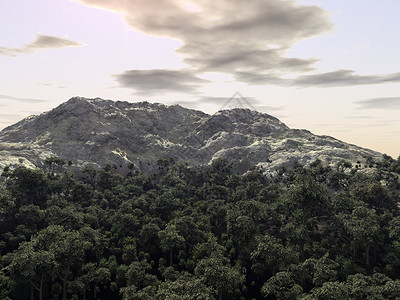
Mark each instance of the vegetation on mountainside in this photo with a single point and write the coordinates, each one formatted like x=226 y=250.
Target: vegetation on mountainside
x=201 y=233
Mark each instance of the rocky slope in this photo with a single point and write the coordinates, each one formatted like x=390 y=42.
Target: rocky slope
x=95 y=132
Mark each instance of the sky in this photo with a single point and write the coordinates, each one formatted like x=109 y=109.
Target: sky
x=330 y=67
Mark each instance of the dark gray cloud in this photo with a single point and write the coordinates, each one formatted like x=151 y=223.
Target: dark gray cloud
x=41 y=42
x=254 y=61
x=380 y=103
x=25 y=100
x=160 y=81
x=248 y=39
x=253 y=36
x=248 y=36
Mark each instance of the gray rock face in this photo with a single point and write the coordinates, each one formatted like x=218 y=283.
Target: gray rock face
x=95 y=132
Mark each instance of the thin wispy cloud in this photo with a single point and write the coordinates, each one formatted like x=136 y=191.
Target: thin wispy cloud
x=41 y=42
x=390 y=103
x=23 y=100
x=47 y=84
x=343 y=78
x=338 y=78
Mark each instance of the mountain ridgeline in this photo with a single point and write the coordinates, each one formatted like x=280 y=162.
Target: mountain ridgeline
x=94 y=132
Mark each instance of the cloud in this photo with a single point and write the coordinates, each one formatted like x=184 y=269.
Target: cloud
x=338 y=78
x=41 y=42
x=24 y=100
x=256 y=61
x=160 y=81
x=380 y=103
x=248 y=37
x=343 y=78
x=47 y=84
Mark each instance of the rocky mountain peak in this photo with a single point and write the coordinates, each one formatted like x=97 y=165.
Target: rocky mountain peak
x=245 y=117
x=96 y=132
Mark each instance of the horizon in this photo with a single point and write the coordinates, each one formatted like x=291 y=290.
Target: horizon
x=330 y=68
x=228 y=104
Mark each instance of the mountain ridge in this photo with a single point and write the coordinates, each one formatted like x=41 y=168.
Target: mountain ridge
x=95 y=132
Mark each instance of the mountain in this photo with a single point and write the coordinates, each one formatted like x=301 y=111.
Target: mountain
x=95 y=132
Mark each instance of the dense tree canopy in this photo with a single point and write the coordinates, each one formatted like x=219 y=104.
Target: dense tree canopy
x=203 y=233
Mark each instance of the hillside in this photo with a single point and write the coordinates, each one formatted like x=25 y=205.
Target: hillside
x=193 y=228
x=95 y=132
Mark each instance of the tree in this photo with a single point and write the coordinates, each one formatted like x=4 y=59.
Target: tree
x=68 y=217
x=170 y=239
x=363 y=226
x=282 y=286
x=343 y=165
x=242 y=229
x=309 y=195
x=67 y=248
x=35 y=263
x=52 y=162
x=89 y=275
x=149 y=234
x=6 y=284
x=377 y=286
x=329 y=291
x=29 y=186
x=318 y=271
x=132 y=293
x=220 y=170
x=189 y=229
x=138 y=276
x=185 y=287
x=216 y=273
x=270 y=254
x=108 y=178
x=394 y=228
x=373 y=194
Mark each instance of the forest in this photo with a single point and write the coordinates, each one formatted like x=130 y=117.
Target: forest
x=200 y=233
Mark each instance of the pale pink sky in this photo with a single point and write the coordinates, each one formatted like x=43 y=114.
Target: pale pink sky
x=331 y=67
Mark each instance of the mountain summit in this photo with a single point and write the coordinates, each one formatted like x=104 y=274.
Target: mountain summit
x=96 y=132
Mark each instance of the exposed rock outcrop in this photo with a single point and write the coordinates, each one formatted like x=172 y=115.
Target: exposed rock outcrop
x=95 y=132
